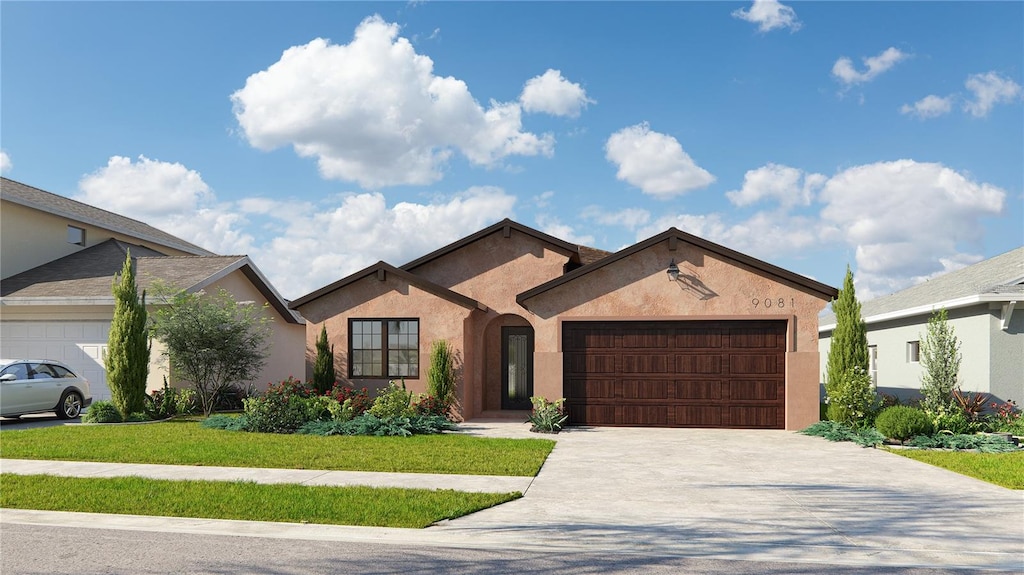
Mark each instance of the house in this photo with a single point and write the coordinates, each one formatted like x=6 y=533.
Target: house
x=672 y=331
x=59 y=258
x=984 y=304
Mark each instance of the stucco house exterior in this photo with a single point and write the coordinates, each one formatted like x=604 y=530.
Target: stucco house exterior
x=59 y=258
x=673 y=331
x=984 y=304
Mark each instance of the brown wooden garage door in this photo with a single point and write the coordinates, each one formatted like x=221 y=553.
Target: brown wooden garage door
x=675 y=374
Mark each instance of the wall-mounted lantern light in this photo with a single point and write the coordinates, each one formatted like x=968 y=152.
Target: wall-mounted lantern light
x=673 y=271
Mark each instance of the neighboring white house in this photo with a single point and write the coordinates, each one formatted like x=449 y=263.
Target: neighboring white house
x=58 y=261
x=985 y=304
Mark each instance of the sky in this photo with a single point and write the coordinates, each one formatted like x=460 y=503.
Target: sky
x=319 y=138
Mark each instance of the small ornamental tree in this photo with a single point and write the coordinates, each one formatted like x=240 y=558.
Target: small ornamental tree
x=441 y=376
x=323 y=367
x=848 y=352
x=940 y=358
x=212 y=341
x=128 y=347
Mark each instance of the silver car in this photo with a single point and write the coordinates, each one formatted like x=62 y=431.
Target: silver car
x=41 y=385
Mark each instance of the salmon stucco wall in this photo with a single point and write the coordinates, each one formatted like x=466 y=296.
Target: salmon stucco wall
x=393 y=298
x=709 y=287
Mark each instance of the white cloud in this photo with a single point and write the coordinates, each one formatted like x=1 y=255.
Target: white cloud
x=169 y=197
x=929 y=107
x=788 y=186
x=769 y=15
x=5 y=162
x=629 y=218
x=905 y=217
x=765 y=235
x=654 y=162
x=989 y=89
x=551 y=225
x=844 y=71
x=552 y=94
x=373 y=112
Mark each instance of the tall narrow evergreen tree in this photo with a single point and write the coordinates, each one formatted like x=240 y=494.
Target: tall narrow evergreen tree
x=847 y=354
x=940 y=358
x=323 y=368
x=128 y=347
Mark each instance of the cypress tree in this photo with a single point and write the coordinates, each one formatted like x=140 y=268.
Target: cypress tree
x=128 y=347
x=849 y=348
x=323 y=368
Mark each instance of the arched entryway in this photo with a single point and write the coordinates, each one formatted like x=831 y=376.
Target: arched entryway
x=508 y=382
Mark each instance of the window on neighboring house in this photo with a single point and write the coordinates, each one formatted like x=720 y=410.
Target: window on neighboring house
x=76 y=236
x=384 y=348
x=913 y=351
x=873 y=364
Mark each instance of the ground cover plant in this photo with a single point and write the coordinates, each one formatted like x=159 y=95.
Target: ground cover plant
x=1004 y=469
x=369 y=506
x=836 y=431
x=181 y=442
x=547 y=416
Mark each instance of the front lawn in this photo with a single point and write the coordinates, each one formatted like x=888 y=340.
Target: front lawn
x=179 y=442
x=368 y=506
x=1005 y=469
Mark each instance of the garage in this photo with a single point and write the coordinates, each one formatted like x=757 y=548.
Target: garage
x=723 y=373
x=79 y=344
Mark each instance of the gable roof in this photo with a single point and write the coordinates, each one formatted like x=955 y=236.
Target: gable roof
x=1000 y=278
x=381 y=269
x=85 y=277
x=505 y=226
x=44 y=201
x=673 y=235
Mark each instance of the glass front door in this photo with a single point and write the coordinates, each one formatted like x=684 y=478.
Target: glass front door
x=517 y=367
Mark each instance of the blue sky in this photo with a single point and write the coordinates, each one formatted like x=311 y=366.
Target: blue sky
x=321 y=137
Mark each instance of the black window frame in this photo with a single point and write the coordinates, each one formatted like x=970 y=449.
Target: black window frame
x=384 y=349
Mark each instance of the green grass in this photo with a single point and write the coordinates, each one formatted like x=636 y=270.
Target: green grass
x=368 y=506
x=187 y=443
x=1005 y=469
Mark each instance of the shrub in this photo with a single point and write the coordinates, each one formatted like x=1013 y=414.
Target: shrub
x=226 y=422
x=851 y=399
x=547 y=417
x=835 y=431
x=955 y=422
x=359 y=401
x=169 y=401
x=284 y=408
x=137 y=417
x=102 y=412
x=1006 y=417
x=429 y=405
x=961 y=442
x=902 y=422
x=393 y=401
x=368 y=424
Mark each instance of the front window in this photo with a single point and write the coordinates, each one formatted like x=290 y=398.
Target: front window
x=384 y=348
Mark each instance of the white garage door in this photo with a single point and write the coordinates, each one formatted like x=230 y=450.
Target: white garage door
x=79 y=344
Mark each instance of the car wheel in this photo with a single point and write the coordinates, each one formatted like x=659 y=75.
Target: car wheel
x=70 y=405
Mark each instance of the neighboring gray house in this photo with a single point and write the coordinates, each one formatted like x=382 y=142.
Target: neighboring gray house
x=985 y=303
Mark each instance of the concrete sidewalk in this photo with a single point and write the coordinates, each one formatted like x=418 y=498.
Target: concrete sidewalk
x=473 y=483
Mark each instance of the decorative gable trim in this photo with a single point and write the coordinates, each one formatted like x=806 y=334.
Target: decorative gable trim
x=381 y=270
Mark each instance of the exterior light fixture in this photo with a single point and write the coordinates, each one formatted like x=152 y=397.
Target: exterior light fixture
x=673 y=271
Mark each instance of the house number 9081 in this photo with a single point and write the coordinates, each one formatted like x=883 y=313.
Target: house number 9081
x=772 y=302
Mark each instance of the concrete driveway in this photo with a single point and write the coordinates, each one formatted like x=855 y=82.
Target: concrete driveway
x=756 y=495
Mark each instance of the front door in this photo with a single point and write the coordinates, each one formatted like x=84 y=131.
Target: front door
x=516 y=367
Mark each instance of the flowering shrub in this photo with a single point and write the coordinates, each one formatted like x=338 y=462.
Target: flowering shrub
x=392 y=401
x=360 y=399
x=1006 y=417
x=429 y=405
